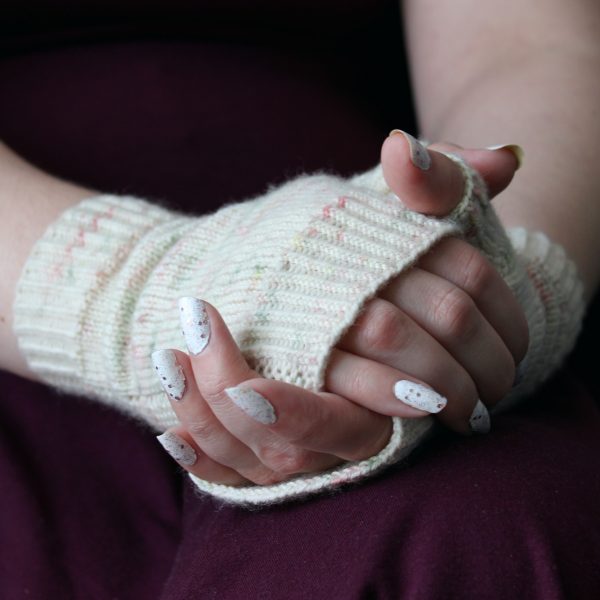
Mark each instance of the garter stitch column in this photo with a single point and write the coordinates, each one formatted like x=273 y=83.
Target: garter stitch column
x=289 y=271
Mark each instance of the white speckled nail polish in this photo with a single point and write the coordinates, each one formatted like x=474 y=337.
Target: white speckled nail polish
x=480 y=419
x=419 y=396
x=195 y=324
x=253 y=404
x=170 y=373
x=178 y=448
x=419 y=155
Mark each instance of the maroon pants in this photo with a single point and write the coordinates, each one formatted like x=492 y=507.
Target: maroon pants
x=92 y=507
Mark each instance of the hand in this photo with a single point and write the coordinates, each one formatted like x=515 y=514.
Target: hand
x=450 y=324
x=315 y=431
x=281 y=429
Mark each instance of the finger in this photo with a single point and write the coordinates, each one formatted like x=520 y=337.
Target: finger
x=461 y=264
x=183 y=449
x=496 y=165
x=207 y=432
x=425 y=181
x=219 y=366
x=387 y=335
x=324 y=422
x=449 y=315
x=429 y=182
x=393 y=392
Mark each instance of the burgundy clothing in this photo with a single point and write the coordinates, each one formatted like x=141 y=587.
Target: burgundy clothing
x=200 y=103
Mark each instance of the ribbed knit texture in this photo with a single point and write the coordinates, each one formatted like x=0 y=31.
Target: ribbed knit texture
x=289 y=272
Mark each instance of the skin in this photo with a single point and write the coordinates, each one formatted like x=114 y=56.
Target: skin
x=315 y=431
x=527 y=74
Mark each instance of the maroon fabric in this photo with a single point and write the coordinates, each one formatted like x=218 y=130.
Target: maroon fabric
x=197 y=114
x=514 y=514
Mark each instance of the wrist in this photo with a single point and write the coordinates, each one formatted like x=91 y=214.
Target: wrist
x=30 y=200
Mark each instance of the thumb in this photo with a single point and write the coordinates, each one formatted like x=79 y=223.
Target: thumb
x=429 y=182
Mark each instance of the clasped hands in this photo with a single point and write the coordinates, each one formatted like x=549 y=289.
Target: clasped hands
x=442 y=338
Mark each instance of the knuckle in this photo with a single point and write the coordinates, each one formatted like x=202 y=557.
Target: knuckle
x=383 y=329
x=285 y=460
x=358 y=383
x=456 y=315
x=212 y=388
x=315 y=421
x=202 y=429
x=263 y=476
x=477 y=273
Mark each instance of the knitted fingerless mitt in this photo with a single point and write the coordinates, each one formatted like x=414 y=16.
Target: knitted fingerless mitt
x=289 y=271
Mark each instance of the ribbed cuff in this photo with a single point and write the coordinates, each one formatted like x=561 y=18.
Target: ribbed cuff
x=551 y=295
x=406 y=436
x=69 y=267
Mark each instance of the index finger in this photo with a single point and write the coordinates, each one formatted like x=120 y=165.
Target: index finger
x=321 y=422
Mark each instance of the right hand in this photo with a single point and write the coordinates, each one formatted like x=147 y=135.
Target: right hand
x=313 y=432
x=281 y=431
x=450 y=324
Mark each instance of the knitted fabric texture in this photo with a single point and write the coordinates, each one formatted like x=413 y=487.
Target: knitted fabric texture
x=289 y=271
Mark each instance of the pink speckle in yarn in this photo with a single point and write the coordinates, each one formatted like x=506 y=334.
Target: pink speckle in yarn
x=57 y=270
x=342 y=202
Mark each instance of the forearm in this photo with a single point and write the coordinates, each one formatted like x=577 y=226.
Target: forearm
x=29 y=201
x=524 y=82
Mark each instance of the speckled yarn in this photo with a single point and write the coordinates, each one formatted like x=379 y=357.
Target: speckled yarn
x=289 y=271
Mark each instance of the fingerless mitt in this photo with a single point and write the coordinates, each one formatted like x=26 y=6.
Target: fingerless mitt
x=289 y=271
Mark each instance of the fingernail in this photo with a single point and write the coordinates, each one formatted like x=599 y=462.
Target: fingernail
x=480 y=419
x=194 y=324
x=178 y=448
x=517 y=151
x=419 y=155
x=419 y=396
x=170 y=373
x=253 y=404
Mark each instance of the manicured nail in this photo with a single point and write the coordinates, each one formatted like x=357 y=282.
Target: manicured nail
x=419 y=396
x=170 y=373
x=194 y=324
x=480 y=419
x=253 y=404
x=419 y=155
x=178 y=448
x=517 y=151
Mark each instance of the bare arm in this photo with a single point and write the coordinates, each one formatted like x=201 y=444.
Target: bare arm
x=29 y=201
x=527 y=73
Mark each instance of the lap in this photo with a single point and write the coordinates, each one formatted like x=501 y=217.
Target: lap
x=91 y=508
x=90 y=504
x=513 y=514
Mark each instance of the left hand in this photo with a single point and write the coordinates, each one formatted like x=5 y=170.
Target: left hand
x=281 y=429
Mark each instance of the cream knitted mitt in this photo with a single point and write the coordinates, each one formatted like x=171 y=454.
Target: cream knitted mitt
x=289 y=271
